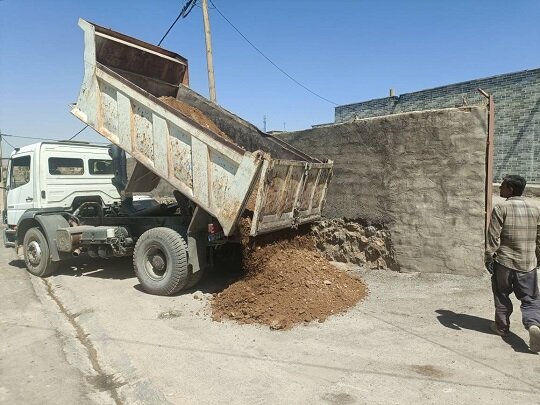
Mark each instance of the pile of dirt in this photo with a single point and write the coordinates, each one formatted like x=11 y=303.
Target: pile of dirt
x=196 y=115
x=351 y=242
x=252 y=201
x=286 y=282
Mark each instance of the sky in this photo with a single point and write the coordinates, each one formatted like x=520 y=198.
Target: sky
x=344 y=51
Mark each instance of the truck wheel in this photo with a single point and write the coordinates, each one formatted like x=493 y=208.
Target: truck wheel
x=37 y=254
x=160 y=261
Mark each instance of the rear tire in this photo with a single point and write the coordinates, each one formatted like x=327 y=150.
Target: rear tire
x=37 y=254
x=160 y=261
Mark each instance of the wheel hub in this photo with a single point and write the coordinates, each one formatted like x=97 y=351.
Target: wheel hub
x=158 y=263
x=34 y=253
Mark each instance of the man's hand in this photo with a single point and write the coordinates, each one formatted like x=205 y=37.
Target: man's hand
x=489 y=263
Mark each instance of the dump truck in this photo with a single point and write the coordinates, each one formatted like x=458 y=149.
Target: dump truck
x=221 y=167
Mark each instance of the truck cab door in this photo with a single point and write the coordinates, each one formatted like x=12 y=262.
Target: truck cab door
x=21 y=194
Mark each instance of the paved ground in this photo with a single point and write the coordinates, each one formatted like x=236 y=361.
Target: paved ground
x=33 y=363
x=90 y=335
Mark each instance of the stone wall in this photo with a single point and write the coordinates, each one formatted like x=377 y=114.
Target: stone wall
x=420 y=174
x=517 y=115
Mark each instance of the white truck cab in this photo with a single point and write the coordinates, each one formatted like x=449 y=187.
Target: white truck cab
x=51 y=175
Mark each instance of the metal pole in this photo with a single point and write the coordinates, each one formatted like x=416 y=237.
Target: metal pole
x=2 y=185
x=490 y=153
x=209 y=60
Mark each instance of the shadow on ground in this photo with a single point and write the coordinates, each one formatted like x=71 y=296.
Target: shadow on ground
x=227 y=269
x=116 y=268
x=213 y=282
x=17 y=263
x=458 y=321
x=120 y=268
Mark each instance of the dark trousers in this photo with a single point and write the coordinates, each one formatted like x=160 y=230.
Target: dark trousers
x=504 y=282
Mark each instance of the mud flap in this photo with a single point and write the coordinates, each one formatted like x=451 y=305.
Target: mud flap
x=50 y=223
x=197 y=240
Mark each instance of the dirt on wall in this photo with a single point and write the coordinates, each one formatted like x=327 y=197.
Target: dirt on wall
x=289 y=280
x=349 y=241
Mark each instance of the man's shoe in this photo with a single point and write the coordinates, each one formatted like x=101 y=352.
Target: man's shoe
x=534 y=338
x=495 y=329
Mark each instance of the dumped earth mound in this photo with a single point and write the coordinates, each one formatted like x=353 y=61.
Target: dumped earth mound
x=286 y=282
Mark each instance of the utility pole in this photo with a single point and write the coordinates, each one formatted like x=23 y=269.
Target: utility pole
x=264 y=123
x=2 y=185
x=209 y=60
x=1 y=165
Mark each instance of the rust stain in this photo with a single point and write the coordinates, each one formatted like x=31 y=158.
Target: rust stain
x=143 y=127
x=181 y=161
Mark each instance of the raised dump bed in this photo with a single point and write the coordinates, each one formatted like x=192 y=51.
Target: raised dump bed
x=214 y=158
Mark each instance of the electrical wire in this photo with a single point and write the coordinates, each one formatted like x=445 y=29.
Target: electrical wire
x=12 y=147
x=8 y=143
x=37 y=138
x=170 y=28
x=28 y=137
x=183 y=14
x=269 y=60
x=86 y=126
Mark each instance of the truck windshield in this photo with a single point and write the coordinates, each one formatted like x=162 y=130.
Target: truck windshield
x=65 y=166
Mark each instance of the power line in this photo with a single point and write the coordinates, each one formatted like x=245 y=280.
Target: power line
x=35 y=138
x=170 y=28
x=268 y=59
x=183 y=14
x=8 y=143
x=86 y=126
x=28 y=137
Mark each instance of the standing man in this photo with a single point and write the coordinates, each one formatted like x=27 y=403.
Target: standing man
x=513 y=248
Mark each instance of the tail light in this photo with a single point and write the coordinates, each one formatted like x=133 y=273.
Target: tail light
x=214 y=228
x=215 y=231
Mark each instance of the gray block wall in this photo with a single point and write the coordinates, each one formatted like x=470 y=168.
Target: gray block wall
x=517 y=116
x=421 y=174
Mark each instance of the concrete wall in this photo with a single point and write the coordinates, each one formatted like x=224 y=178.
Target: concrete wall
x=517 y=115
x=421 y=174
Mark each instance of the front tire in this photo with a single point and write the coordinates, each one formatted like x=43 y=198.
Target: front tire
x=37 y=254
x=160 y=261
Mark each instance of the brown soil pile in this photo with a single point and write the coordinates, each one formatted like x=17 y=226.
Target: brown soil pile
x=286 y=282
x=253 y=197
x=196 y=115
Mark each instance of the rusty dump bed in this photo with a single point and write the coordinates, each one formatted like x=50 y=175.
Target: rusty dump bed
x=213 y=157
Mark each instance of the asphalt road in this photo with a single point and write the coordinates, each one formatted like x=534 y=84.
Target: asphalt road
x=33 y=364
x=89 y=335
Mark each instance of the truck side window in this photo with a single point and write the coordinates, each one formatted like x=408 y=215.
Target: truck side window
x=20 y=171
x=100 y=166
x=65 y=166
